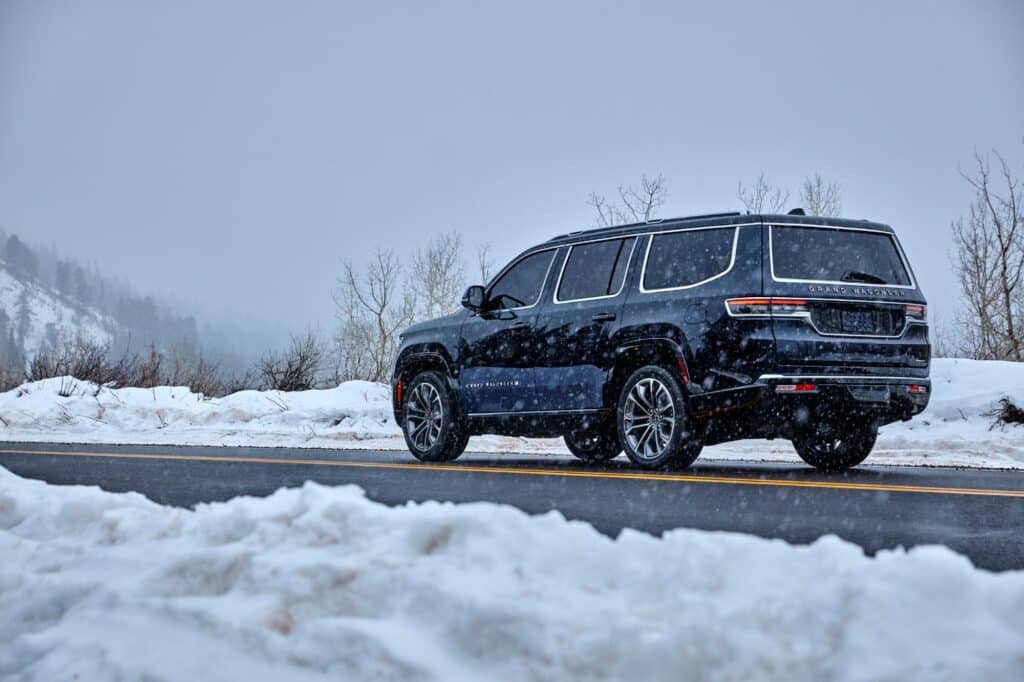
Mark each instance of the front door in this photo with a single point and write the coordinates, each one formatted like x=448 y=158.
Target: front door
x=578 y=325
x=499 y=347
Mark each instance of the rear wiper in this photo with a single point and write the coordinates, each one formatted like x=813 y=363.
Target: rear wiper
x=866 y=277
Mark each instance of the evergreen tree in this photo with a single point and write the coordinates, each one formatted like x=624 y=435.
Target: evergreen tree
x=23 y=317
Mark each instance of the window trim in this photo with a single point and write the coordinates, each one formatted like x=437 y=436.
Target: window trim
x=517 y=261
x=792 y=280
x=723 y=273
x=565 y=261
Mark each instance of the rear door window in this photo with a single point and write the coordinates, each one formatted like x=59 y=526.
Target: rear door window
x=835 y=255
x=680 y=259
x=595 y=270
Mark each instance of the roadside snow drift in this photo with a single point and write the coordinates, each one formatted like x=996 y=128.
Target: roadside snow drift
x=953 y=431
x=319 y=583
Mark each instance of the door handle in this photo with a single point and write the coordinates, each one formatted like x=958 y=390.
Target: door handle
x=603 y=317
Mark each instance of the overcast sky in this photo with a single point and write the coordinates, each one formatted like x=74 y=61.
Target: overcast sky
x=231 y=153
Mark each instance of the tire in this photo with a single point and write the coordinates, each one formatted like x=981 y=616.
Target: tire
x=433 y=428
x=598 y=443
x=833 y=449
x=670 y=441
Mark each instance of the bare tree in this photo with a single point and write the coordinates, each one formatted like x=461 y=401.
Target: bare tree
x=762 y=196
x=371 y=313
x=943 y=341
x=989 y=262
x=821 y=198
x=485 y=263
x=297 y=368
x=438 y=275
x=635 y=204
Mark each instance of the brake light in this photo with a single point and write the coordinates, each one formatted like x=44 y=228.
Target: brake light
x=917 y=313
x=796 y=388
x=917 y=388
x=759 y=306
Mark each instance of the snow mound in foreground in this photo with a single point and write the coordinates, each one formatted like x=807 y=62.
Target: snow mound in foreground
x=320 y=583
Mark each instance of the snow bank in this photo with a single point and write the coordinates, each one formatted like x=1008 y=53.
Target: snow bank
x=953 y=431
x=319 y=583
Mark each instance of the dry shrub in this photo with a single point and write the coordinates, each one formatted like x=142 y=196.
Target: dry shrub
x=297 y=368
x=1006 y=413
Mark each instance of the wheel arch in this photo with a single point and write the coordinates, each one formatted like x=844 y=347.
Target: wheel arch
x=413 y=361
x=636 y=353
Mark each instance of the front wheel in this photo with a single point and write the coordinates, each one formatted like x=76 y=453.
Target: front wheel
x=833 y=449
x=653 y=422
x=433 y=430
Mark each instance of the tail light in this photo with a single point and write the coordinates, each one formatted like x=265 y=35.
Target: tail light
x=917 y=388
x=767 y=307
x=917 y=313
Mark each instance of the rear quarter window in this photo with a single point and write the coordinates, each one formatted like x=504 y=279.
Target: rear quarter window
x=680 y=259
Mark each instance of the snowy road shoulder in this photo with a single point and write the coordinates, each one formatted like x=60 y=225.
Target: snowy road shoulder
x=955 y=430
x=318 y=583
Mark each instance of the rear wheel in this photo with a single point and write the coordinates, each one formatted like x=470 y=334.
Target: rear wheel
x=594 y=443
x=834 y=448
x=653 y=422
x=434 y=431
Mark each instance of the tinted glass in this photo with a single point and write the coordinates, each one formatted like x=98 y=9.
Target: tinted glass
x=594 y=269
x=521 y=284
x=682 y=258
x=831 y=255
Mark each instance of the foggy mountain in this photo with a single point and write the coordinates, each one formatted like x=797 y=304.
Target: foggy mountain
x=47 y=300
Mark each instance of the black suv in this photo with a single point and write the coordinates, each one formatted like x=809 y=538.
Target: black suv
x=658 y=338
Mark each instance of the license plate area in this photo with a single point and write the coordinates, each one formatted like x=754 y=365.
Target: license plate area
x=857 y=319
x=859 y=322
x=870 y=394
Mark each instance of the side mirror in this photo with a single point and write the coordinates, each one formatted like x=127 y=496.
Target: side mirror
x=475 y=298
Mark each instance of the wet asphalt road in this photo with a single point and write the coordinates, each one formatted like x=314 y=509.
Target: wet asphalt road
x=979 y=513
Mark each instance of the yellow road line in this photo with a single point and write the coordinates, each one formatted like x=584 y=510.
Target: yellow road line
x=481 y=469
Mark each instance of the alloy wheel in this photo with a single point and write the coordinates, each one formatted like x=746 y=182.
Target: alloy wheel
x=649 y=418
x=424 y=416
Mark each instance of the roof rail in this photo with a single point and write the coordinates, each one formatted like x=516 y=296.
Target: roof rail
x=610 y=228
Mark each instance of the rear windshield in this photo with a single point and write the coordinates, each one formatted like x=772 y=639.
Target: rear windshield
x=834 y=255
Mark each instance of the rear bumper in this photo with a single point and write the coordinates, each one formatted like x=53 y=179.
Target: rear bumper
x=772 y=407
x=885 y=398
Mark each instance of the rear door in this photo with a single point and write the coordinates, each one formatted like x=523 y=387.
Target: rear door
x=578 y=324
x=849 y=301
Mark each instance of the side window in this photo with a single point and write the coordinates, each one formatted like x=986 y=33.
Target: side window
x=521 y=284
x=595 y=269
x=679 y=259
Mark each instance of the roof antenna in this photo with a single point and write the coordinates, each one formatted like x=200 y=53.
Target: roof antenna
x=796 y=211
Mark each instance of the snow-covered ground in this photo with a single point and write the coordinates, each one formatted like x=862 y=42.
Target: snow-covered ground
x=953 y=431
x=319 y=583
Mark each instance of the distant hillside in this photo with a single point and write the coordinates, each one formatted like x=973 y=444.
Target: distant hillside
x=46 y=299
x=33 y=316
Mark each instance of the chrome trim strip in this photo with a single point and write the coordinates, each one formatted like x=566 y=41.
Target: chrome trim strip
x=540 y=294
x=595 y=410
x=907 y=322
x=732 y=260
x=791 y=280
x=565 y=262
